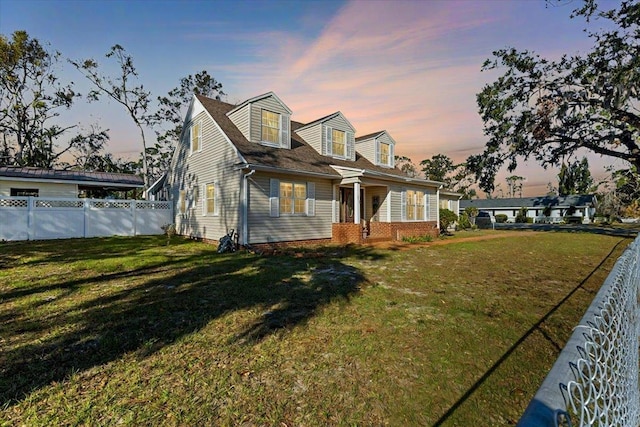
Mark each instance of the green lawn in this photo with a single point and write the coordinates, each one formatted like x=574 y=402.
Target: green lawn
x=130 y=331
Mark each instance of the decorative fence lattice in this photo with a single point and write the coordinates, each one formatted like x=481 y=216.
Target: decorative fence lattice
x=37 y=218
x=595 y=380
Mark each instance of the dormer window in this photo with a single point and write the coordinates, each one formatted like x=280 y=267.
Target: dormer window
x=270 y=127
x=338 y=139
x=384 y=153
x=338 y=143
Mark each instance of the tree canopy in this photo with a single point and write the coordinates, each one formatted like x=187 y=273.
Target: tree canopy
x=32 y=99
x=547 y=110
x=575 y=178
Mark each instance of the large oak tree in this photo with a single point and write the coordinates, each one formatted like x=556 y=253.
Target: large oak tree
x=548 y=110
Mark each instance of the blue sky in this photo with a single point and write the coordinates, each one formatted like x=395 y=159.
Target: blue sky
x=410 y=67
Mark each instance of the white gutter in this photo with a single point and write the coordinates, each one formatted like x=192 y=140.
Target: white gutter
x=284 y=171
x=438 y=208
x=244 y=220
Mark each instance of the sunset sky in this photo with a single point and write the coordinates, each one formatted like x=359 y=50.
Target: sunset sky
x=410 y=67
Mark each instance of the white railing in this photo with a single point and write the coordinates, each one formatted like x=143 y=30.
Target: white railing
x=595 y=380
x=40 y=218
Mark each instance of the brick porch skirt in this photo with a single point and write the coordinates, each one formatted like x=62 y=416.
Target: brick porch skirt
x=353 y=233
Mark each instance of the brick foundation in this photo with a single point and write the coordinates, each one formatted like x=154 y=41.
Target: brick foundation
x=345 y=233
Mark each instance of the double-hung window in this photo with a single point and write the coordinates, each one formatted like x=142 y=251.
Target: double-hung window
x=196 y=136
x=270 y=127
x=384 y=154
x=182 y=201
x=339 y=143
x=415 y=209
x=211 y=203
x=291 y=198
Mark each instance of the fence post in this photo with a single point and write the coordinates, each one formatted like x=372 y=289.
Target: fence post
x=31 y=229
x=85 y=211
x=133 y=218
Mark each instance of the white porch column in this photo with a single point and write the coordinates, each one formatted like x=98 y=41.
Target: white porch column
x=356 y=203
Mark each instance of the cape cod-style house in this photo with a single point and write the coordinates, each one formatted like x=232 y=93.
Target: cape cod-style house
x=251 y=168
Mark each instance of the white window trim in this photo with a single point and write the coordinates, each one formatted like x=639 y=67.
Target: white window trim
x=216 y=199
x=193 y=197
x=274 y=198
x=193 y=124
x=182 y=201
x=403 y=200
x=269 y=143
x=379 y=162
x=349 y=144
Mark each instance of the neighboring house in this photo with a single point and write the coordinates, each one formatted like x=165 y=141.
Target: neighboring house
x=36 y=182
x=550 y=207
x=249 y=167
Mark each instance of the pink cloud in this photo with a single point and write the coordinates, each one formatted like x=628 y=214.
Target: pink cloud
x=405 y=66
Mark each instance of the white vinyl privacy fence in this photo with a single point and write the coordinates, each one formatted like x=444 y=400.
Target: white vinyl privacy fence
x=595 y=381
x=39 y=218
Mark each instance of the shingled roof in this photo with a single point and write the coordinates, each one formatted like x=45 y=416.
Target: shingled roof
x=84 y=177
x=301 y=157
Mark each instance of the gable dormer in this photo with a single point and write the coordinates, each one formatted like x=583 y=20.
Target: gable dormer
x=378 y=148
x=331 y=135
x=264 y=119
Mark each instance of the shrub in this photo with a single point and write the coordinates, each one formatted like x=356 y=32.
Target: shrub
x=521 y=218
x=632 y=211
x=463 y=222
x=472 y=213
x=417 y=239
x=447 y=218
x=501 y=218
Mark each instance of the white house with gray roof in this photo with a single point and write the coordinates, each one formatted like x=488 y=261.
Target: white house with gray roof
x=251 y=168
x=555 y=207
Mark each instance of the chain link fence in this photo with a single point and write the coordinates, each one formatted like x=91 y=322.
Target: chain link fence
x=595 y=380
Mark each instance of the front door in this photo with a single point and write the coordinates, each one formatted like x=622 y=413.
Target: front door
x=347 y=213
x=346 y=205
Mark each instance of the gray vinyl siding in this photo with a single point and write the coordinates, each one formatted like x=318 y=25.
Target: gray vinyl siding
x=264 y=228
x=396 y=207
x=213 y=164
x=269 y=103
x=313 y=136
x=367 y=149
x=45 y=189
x=381 y=215
x=339 y=123
x=431 y=200
x=240 y=118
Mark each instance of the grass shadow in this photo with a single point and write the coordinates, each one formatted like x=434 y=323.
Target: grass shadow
x=536 y=327
x=97 y=318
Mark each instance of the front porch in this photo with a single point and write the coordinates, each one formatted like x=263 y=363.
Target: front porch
x=368 y=211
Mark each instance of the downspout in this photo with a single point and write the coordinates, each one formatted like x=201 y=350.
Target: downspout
x=244 y=219
x=438 y=208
